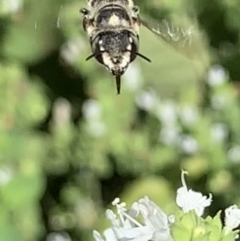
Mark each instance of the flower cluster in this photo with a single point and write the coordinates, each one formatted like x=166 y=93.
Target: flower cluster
x=144 y=220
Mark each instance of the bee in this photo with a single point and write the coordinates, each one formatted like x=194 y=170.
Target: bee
x=113 y=30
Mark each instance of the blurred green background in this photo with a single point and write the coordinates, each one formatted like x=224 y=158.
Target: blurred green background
x=69 y=145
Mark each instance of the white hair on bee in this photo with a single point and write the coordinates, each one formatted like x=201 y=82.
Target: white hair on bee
x=125 y=60
x=107 y=61
x=114 y=20
x=101 y=48
x=131 y=3
x=90 y=30
x=129 y=47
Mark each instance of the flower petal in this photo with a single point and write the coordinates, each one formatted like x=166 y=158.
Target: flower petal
x=154 y=218
x=132 y=233
x=232 y=218
x=97 y=236
x=191 y=200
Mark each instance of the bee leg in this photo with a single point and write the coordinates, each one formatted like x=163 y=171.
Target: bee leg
x=87 y=20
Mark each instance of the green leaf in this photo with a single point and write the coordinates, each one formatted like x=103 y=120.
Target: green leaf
x=230 y=236
x=8 y=232
x=180 y=232
x=190 y=220
x=214 y=226
x=217 y=220
x=21 y=191
x=204 y=237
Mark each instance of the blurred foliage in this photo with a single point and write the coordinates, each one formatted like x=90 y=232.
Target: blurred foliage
x=69 y=145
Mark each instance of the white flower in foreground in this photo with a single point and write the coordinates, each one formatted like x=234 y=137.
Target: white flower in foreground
x=154 y=218
x=108 y=233
x=232 y=217
x=190 y=200
x=58 y=236
x=125 y=227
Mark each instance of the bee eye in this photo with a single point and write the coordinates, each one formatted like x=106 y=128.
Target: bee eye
x=84 y=11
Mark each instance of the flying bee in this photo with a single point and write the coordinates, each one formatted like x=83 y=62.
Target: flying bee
x=113 y=30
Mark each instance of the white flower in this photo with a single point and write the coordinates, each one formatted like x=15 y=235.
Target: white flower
x=167 y=113
x=191 y=200
x=189 y=115
x=234 y=153
x=6 y=174
x=92 y=109
x=147 y=100
x=232 y=217
x=218 y=102
x=188 y=144
x=169 y=135
x=108 y=233
x=58 y=236
x=219 y=132
x=125 y=227
x=217 y=75
x=154 y=218
x=62 y=111
x=11 y=6
x=133 y=77
x=96 y=128
x=71 y=50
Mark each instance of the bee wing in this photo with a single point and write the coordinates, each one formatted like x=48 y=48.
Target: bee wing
x=185 y=40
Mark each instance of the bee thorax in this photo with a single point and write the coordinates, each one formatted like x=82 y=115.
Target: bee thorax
x=112 y=17
x=94 y=3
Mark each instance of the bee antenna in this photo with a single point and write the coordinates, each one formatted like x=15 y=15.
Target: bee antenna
x=118 y=84
x=144 y=57
x=92 y=55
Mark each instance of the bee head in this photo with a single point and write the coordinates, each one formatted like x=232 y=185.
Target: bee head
x=115 y=49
